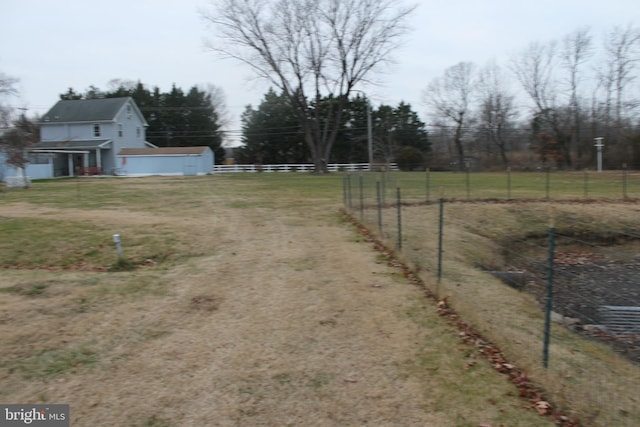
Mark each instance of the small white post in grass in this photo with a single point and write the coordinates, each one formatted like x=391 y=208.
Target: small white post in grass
x=599 y=146
x=116 y=240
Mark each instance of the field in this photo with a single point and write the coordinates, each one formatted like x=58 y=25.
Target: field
x=248 y=300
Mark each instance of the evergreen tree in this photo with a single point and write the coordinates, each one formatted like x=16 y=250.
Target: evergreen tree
x=351 y=144
x=271 y=133
x=175 y=119
x=392 y=129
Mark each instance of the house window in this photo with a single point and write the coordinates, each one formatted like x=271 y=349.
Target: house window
x=96 y=130
x=129 y=111
x=138 y=132
x=120 y=130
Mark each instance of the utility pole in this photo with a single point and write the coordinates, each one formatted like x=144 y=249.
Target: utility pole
x=369 y=136
x=369 y=129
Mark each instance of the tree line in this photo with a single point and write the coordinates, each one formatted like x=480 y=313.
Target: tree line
x=317 y=54
x=577 y=90
x=271 y=133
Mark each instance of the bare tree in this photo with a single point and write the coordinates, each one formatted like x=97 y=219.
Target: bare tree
x=219 y=102
x=621 y=56
x=7 y=88
x=577 y=49
x=15 y=142
x=622 y=48
x=448 y=98
x=496 y=107
x=534 y=68
x=310 y=50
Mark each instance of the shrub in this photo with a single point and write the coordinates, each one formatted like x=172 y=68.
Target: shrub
x=410 y=159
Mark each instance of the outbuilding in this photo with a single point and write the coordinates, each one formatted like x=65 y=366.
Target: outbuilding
x=187 y=161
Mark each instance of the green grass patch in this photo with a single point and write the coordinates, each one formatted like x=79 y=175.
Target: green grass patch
x=556 y=185
x=29 y=242
x=30 y=290
x=54 y=362
x=47 y=243
x=123 y=264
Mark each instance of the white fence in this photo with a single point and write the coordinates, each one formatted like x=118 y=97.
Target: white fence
x=332 y=167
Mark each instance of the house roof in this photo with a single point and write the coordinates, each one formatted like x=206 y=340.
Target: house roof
x=85 y=110
x=75 y=144
x=163 y=151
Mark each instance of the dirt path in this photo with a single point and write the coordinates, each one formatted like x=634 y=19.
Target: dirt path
x=288 y=325
x=291 y=322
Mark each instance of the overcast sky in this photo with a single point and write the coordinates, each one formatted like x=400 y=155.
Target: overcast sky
x=53 y=45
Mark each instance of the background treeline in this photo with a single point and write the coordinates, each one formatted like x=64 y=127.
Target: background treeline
x=543 y=108
x=271 y=133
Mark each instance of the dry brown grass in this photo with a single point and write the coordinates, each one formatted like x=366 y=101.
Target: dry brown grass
x=589 y=379
x=283 y=318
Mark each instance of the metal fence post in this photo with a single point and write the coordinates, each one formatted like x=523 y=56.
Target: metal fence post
x=547 y=184
x=361 y=199
x=509 y=183
x=428 y=184
x=549 y=299
x=586 y=183
x=344 y=190
x=468 y=170
x=624 y=181
x=399 y=204
x=379 y=208
x=440 y=232
x=349 y=193
x=384 y=186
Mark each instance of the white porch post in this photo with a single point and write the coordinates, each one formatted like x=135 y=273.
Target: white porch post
x=70 y=163
x=99 y=160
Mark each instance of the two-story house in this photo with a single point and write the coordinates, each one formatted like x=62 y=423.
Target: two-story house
x=85 y=135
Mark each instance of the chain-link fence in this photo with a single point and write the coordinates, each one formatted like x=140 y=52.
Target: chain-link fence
x=544 y=264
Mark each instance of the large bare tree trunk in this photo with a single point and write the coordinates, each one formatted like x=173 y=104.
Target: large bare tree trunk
x=310 y=49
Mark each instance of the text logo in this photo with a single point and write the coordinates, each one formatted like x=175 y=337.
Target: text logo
x=34 y=415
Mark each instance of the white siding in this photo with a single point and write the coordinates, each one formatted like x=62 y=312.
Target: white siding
x=33 y=171
x=181 y=164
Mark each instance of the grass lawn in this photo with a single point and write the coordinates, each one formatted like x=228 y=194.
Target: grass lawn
x=253 y=303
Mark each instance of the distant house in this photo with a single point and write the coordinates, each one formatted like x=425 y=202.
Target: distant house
x=196 y=160
x=84 y=136
x=103 y=136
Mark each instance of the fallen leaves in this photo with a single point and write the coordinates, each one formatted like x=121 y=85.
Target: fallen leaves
x=73 y=267
x=575 y=257
x=543 y=407
x=533 y=396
